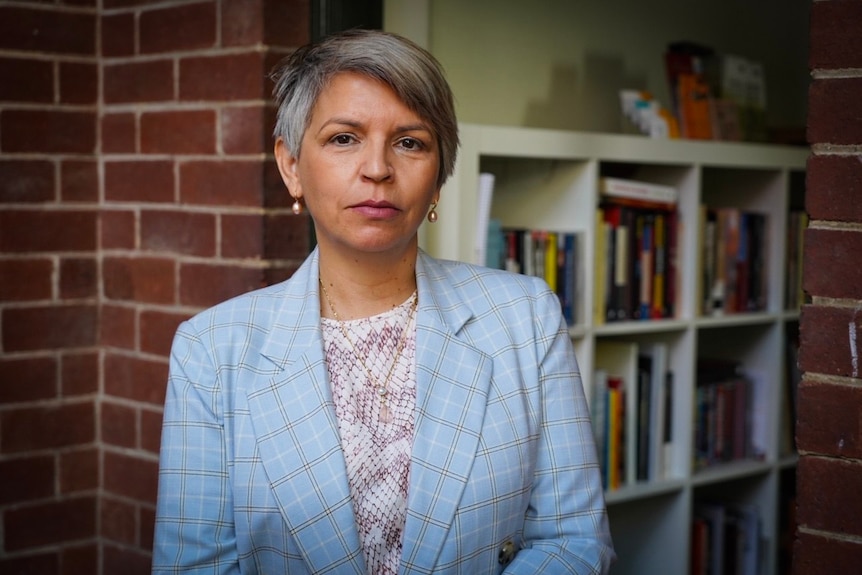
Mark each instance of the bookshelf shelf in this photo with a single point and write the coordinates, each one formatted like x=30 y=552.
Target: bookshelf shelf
x=552 y=181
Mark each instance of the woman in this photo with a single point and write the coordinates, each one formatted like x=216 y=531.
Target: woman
x=380 y=411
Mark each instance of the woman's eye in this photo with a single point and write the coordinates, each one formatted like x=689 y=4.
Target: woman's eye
x=411 y=144
x=342 y=139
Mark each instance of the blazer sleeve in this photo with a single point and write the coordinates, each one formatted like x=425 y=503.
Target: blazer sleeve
x=566 y=527
x=194 y=531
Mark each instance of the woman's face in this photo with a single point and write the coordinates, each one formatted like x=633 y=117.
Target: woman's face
x=367 y=169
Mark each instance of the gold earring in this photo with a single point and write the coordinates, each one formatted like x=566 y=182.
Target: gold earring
x=432 y=213
x=296 y=207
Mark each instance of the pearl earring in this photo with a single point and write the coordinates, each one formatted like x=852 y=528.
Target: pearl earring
x=296 y=207
x=432 y=213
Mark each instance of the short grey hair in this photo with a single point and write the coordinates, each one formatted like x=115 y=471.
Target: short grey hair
x=411 y=71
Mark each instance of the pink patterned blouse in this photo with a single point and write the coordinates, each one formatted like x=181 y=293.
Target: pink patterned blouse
x=376 y=431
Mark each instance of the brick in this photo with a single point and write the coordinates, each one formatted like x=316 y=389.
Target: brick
x=29 y=181
x=78 y=278
x=119 y=133
x=286 y=236
x=27 y=379
x=43 y=563
x=242 y=130
x=79 y=470
x=178 y=232
x=147 y=526
x=178 y=132
x=178 y=28
x=26 y=280
x=228 y=183
x=48 y=131
x=119 y=521
x=33 y=30
x=278 y=273
x=118 y=35
x=286 y=23
x=826 y=340
x=228 y=77
x=79 y=559
x=820 y=554
x=118 y=230
x=119 y=425
x=125 y=560
x=79 y=374
x=131 y=477
x=49 y=327
x=47 y=427
x=144 y=280
x=79 y=181
x=151 y=430
x=242 y=236
x=829 y=256
x=274 y=191
x=828 y=419
x=242 y=22
x=136 y=379
x=118 y=327
x=139 y=181
x=830 y=489
x=158 y=329
x=27 y=479
x=32 y=231
x=832 y=43
x=150 y=81
x=833 y=186
x=50 y=523
x=835 y=111
x=204 y=285
x=79 y=83
x=26 y=80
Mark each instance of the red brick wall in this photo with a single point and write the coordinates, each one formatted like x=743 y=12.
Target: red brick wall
x=136 y=187
x=829 y=426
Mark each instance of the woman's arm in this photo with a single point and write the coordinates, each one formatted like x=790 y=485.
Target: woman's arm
x=194 y=515
x=566 y=527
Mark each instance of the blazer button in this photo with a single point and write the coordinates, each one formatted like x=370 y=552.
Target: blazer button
x=507 y=553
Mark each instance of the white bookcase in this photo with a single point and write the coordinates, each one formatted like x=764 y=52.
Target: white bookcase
x=547 y=179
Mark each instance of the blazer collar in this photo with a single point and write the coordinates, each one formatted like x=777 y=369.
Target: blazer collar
x=295 y=423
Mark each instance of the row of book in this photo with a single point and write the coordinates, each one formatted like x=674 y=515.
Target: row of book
x=632 y=409
x=551 y=255
x=726 y=539
x=733 y=260
x=729 y=422
x=636 y=247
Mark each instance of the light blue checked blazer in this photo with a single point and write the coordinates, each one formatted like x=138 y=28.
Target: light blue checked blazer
x=252 y=479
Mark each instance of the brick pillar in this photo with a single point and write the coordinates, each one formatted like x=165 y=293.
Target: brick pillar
x=193 y=212
x=48 y=289
x=829 y=426
x=123 y=210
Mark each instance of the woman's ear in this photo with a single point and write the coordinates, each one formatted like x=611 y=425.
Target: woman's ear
x=287 y=166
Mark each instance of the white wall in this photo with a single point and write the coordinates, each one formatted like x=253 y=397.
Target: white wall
x=561 y=63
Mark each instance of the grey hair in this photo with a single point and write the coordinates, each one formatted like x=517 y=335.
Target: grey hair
x=412 y=73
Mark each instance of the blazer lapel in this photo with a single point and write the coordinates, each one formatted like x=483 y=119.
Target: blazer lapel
x=297 y=435
x=452 y=379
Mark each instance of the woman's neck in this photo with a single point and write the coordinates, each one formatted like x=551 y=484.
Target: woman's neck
x=364 y=287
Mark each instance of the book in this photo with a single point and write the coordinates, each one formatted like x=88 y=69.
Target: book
x=649 y=193
x=653 y=357
x=483 y=215
x=620 y=360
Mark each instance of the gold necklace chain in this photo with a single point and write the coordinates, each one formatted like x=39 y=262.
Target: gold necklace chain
x=382 y=388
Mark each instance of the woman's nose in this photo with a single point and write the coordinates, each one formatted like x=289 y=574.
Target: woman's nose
x=376 y=162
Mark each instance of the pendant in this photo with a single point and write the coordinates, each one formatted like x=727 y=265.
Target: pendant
x=381 y=390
